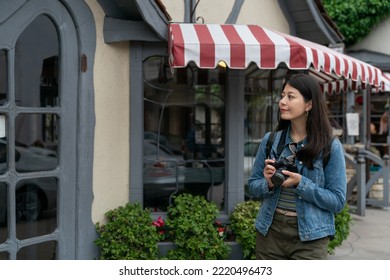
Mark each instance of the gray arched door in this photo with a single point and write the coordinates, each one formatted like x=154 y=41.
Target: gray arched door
x=39 y=70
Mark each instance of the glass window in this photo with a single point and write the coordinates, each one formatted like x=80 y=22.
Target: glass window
x=35 y=208
x=41 y=251
x=379 y=125
x=28 y=156
x=3 y=256
x=33 y=152
x=3 y=212
x=36 y=67
x=184 y=125
x=262 y=92
x=3 y=77
x=336 y=107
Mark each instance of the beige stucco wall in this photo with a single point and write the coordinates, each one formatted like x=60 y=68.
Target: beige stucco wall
x=378 y=40
x=175 y=8
x=261 y=12
x=111 y=150
x=265 y=13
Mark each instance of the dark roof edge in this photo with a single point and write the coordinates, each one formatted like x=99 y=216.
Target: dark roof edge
x=380 y=60
x=325 y=23
x=155 y=17
x=290 y=21
x=148 y=22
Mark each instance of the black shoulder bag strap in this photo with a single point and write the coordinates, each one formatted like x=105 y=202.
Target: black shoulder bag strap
x=271 y=140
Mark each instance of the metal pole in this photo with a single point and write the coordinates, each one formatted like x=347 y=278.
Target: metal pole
x=361 y=183
x=386 y=198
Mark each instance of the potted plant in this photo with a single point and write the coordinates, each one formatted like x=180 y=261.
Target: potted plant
x=192 y=226
x=129 y=234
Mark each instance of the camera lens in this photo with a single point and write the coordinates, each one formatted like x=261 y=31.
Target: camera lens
x=278 y=178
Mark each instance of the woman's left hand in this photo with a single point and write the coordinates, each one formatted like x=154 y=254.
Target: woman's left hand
x=293 y=179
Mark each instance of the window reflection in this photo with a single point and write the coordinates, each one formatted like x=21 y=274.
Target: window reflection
x=262 y=91
x=33 y=153
x=40 y=251
x=3 y=212
x=36 y=207
x=184 y=126
x=37 y=67
x=3 y=145
x=3 y=256
x=3 y=77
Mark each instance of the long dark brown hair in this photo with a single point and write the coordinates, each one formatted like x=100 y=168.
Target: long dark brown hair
x=318 y=126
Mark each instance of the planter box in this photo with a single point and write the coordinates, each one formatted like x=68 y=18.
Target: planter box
x=235 y=254
x=164 y=247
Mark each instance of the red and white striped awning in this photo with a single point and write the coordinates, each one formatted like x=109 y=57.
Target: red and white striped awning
x=240 y=45
x=331 y=84
x=385 y=86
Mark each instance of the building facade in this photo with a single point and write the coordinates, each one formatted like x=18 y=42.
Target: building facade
x=92 y=116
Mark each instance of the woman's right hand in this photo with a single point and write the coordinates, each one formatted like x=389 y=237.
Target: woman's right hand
x=269 y=171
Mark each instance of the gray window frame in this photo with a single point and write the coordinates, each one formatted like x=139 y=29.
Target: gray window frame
x=75 y=232
x=234 y=175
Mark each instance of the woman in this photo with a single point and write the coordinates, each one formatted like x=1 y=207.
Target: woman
x=296 y=217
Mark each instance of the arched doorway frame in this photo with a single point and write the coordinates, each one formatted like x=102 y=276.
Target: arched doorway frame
x=76 y=30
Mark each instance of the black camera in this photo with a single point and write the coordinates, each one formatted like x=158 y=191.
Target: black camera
x=282 y=164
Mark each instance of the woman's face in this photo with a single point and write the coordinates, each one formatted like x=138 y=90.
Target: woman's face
x=292 y=105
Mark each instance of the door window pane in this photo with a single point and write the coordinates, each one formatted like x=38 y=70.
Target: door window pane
x=3 y=77
x=36 y=207
x=3 y=145
x=3 y=212
x=32 y=152
x=3 y=256
x=184 y=133
x=36 y=67
x=40 y=251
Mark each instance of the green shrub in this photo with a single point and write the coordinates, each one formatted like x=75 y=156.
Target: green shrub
x=128 y=234
x=343 y=221
x=191 y=222
x=242 y=223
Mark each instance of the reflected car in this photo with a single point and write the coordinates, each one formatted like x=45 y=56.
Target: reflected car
x=155 y=137
x=167 y=173
x=163 y=172
x=33 y=196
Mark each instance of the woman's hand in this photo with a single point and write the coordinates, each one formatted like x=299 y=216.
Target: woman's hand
x=269 y=171
x=292 y=178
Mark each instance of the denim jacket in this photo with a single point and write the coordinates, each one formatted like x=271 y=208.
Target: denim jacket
x=320 y=194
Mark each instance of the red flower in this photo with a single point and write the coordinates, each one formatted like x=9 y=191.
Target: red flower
x=159 y=222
